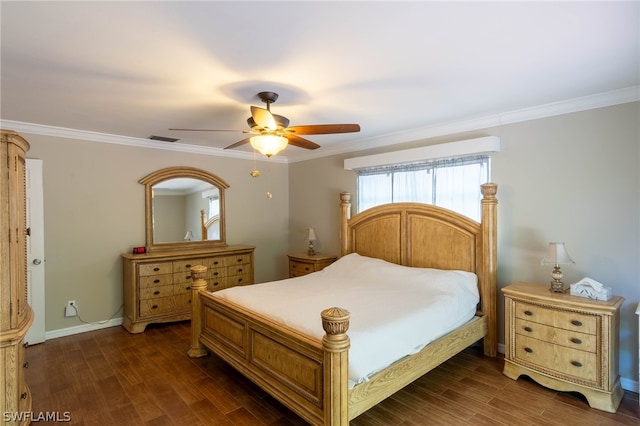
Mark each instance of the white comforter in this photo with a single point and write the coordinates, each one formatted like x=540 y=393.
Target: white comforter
x=395 y=310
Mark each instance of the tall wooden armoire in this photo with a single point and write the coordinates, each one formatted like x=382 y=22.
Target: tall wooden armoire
x=16 y=315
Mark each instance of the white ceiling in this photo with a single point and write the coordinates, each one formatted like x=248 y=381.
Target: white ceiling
x=402 y=70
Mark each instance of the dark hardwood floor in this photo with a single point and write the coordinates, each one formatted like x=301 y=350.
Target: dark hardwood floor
x=111 y=377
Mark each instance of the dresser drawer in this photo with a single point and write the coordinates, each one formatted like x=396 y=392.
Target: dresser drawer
x=157 y=306
x=156 y=291
x=155 y=268
x=566 y=320
x=182 y=277
x=183 y=302
x=155 y=280
x=182 y=288
x=240 y=259
x=562 y=361
x=180 y=266
x=558 y=336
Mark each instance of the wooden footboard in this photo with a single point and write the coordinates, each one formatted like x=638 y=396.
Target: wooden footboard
x=309 y=376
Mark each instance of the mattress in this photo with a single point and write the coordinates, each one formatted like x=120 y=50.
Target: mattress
x=395 y=310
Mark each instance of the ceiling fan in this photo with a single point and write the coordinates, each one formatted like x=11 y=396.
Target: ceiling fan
x=271 y=132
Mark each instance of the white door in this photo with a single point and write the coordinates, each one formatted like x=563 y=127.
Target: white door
x=35 y=250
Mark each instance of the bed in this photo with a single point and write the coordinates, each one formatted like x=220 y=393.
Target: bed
x=310 y=373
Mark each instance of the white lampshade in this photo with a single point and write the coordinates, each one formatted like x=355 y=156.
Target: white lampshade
x=188 y=236
x=311 y=235
x=556 y=255
x=269 y=144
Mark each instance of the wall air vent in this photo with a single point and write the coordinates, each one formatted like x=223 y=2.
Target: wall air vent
x=162 y=138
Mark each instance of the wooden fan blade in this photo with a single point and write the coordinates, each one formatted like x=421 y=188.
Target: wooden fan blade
x=263 y=118
x=324 y=129
x=301 y=142
x=239 y=143
x=208 y=130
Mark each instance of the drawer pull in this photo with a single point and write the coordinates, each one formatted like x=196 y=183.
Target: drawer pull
x=576 y=323
x=216 y=273
x=25 y=365
x=154 y=307
x=528 y=329
x=306 y=268
x=239 y=280
x=188 y=277
x=188 y=288
x=156 y=269
x=576 y=341
x=216 y=283
x=215 y=262
x=576 y=364
x=240 y=270
x=528 y=313
x=156 y=292
x=187 y=266
x=239 y=259
x=23 y=395
x=293 y=266
x=156 y=281
x=528 y=350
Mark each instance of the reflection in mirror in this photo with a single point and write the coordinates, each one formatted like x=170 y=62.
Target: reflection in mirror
x=184 y=209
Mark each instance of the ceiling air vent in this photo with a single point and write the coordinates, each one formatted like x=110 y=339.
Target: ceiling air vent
x=162 y=138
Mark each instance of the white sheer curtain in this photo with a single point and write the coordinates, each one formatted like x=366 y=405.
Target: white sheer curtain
x=453 y=184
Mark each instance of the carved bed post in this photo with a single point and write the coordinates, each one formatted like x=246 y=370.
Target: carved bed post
x=489 y=272
x=345 y=215
x=335 y=345
x=198 y=273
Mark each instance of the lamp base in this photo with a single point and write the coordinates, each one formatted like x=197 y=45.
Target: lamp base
x=557 y=287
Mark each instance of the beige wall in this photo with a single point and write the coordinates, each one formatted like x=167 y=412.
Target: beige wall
x=572 y=178
x=94 y=211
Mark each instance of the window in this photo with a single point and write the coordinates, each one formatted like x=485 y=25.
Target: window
x=453 y=184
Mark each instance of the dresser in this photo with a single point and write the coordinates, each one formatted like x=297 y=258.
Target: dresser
x=302 y=263
x=567 y=343
x=157 y=285
x=15 y=314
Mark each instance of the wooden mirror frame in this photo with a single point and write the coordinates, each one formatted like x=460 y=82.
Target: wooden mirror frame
x=181 y=172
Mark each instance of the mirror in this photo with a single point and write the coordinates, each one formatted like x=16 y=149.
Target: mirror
x=184 y=209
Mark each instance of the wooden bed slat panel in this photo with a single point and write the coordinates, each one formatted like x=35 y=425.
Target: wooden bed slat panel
x=455 y=249
x=379 y=237
x=296 y=370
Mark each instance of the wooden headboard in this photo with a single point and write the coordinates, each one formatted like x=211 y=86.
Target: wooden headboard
x=423 y=235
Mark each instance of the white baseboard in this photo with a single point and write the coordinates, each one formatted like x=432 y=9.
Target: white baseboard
x=54 y=334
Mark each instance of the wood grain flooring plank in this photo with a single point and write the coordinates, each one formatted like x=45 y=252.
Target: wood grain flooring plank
x=111 y=377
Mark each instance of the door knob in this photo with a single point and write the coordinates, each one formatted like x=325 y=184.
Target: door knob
x=37 y=261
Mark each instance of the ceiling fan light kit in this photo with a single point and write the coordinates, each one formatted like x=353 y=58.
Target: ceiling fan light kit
x=272 y=131
x=269 y=145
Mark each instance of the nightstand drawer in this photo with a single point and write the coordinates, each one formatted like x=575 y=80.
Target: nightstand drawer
x=566 y=320
x=297 y=269
x=570 y=362
x=558 y=336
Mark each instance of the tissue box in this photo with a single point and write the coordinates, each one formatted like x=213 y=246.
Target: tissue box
x=577 y=289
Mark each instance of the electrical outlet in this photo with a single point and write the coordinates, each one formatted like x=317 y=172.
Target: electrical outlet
x=70 y=309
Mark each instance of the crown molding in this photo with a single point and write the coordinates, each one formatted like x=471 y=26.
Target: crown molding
x=600 y=100
x=62 y=132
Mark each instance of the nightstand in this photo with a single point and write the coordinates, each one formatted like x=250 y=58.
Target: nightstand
x=567 y=343
x=302 y=264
